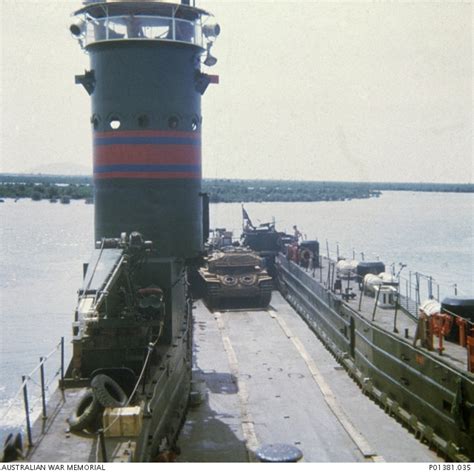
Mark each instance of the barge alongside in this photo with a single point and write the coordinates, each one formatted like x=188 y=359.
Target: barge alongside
x=432 y=394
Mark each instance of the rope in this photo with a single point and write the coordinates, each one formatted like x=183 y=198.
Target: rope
x=150 y=348
x=55 y=375
x=28 y=378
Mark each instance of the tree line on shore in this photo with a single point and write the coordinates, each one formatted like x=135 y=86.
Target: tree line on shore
x=52 y=187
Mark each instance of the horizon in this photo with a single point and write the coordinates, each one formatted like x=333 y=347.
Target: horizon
x=421 y=183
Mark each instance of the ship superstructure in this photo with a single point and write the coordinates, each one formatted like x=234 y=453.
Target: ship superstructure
x=132 y=335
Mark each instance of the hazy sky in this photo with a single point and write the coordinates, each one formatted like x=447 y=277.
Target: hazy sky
x=378 y=91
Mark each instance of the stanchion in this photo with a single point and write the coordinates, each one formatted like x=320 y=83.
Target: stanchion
x=27 y=411
x=62 y=363
x=102 y=445
x=43 y=389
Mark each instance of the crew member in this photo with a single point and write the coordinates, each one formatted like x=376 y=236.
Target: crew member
x=297 y=233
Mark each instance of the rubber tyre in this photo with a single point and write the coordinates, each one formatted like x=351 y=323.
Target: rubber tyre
x=86 y=413
x=12 y=448
x=108 y=392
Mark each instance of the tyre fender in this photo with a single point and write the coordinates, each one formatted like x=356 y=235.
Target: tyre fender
x=13 y=448
x=86 y=413
x=108 y=392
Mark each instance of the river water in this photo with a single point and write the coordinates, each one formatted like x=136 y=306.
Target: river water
x=44 y=245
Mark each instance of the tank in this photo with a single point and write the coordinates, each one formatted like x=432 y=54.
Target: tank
x=235 y=277
x=264 y=239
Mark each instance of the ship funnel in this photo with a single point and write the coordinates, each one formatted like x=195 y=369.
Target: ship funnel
x=77 y=28
x=211 y=30
x=146 y=84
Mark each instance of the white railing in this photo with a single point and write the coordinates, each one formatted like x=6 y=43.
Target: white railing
x=142 y=27
x=414 y=287
x=30 y=401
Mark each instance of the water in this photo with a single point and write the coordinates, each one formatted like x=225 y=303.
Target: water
x=432 y=233
x=44 y=246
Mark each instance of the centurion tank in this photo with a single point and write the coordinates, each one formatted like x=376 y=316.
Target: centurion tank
x=132 y=336
x=234 y=277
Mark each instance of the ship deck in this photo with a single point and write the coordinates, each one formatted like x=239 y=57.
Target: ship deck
x=53 y=441
x=403 y=326
x=268 y=379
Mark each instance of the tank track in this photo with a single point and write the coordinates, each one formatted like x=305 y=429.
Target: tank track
x=212 y=295
x=266 y=288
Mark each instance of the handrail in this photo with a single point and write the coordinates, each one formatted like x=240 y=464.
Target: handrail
x=44 y=386
x=141 y=27
x=418 y=286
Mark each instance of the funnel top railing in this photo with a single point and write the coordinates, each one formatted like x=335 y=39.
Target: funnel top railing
x=143 y=7
x=144 y=20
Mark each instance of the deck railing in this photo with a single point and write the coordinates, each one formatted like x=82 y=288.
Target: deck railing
x=30 y=400
x=326 y=274
x=414 y=287
x=142 y=27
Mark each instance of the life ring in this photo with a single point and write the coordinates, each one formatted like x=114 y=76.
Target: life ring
x=305 y=255
x=13 y=448
x=441 y=324
x=86 y=413
x=108 y=392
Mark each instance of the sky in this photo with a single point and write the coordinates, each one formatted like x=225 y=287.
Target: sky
x=334 y=91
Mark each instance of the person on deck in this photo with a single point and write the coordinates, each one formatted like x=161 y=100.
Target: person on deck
x=298 y=235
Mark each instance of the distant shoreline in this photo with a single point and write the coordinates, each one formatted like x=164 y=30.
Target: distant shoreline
x=56 y=187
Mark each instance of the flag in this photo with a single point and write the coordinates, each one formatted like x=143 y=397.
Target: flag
x=246 y=218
